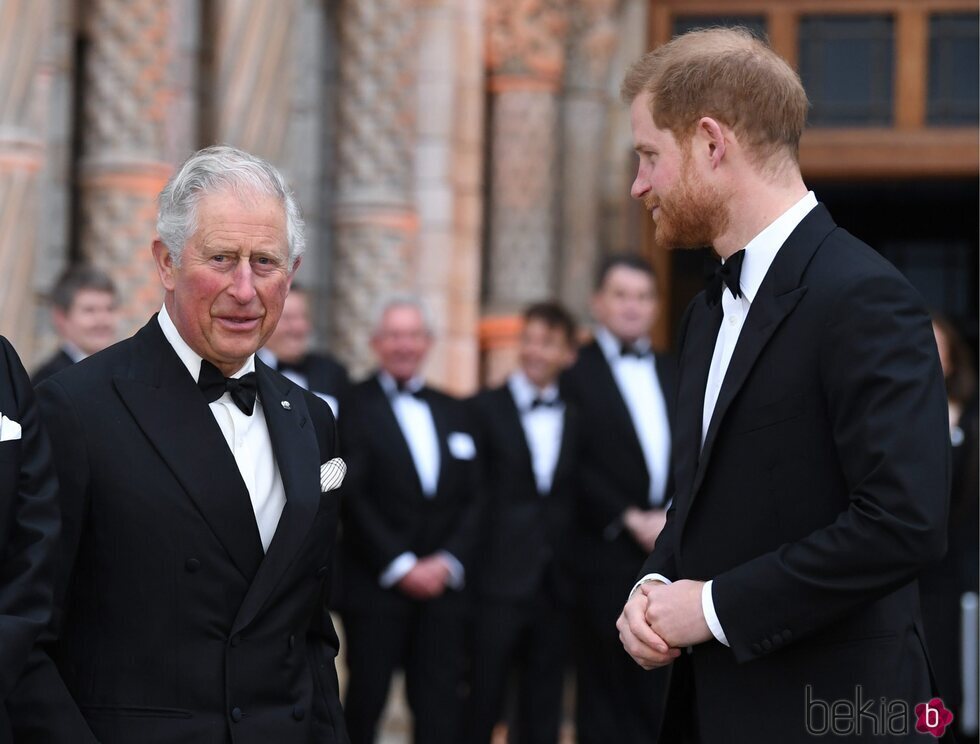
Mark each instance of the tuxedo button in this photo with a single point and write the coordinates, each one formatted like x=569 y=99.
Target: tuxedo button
x=777 y=641
x=192 y=565
x=236 y=714
x=322 y=571
x=756 y=648
x=292 y=641
x=236 y=639
x=787 y=635
x=767 y=645
x=299 y=713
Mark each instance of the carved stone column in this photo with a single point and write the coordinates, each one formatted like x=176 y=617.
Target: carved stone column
x=585 y=106
x=24 y=27
x=125 y=144
x=526 y=57
x=375 y=221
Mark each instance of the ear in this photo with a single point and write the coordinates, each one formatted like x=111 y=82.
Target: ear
x=292 y=273
x=710 y=134
x=60 y=319
x=165 y=264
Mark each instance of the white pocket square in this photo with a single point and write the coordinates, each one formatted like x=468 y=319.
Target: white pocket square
x=9 y=429
x=332 y=474
x=461 y=445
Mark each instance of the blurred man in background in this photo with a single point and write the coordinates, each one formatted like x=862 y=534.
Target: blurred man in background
x=528 y=439
x=84 y=311
x=288 y=351
x=409 y=520
x=625 y=393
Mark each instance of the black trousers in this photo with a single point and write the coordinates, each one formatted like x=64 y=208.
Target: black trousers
x=616 y=700
x=530 y=638
x=427 y=641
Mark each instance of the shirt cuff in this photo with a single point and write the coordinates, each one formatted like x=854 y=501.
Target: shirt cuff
x=398 y=569
x=457 y=574
x=646 y=580
x=710 y=616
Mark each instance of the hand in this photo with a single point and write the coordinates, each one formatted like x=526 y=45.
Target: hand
x=645 y=526
x=646 y=648
x=675 y=614
x=426 y=580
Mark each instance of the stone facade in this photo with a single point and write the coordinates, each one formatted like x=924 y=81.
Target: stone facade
x=453 y=149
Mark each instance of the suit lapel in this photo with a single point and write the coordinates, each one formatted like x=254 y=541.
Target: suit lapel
x=297 y=454
x=390 y=430
x=602 y=374
x=515 y=429
x=777 y=297
x=698 y=347
x=167 y=405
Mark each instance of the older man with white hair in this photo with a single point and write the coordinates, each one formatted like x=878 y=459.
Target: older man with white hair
x=198 y=522
x=410 y=520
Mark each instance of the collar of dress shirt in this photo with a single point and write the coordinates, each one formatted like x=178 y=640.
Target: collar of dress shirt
x=761 y=251
x=73 y=352
x=390 y=387
x=190 y=358
x=525 y=391
x=612 y=346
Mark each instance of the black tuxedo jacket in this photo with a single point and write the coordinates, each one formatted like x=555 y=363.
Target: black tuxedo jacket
x=526 y=538
x=326 y=375
x=54 y=364
x=613 y=470
x=28 y=527
x=819 y=493
x=174 y=625
x=384 y=511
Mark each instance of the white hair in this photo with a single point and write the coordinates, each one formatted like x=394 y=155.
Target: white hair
x=401 y=300
x=216 y=169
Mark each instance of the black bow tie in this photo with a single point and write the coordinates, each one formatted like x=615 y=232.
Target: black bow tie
x=717 y=276
x=402 y=387
x=626 y=350
x=214 y=384
x=540 y=402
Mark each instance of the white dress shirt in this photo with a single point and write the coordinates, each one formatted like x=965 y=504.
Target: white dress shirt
x=419 y=429
x=639 y=385
x=247 y=437
x=759 y=255
x=543 y=426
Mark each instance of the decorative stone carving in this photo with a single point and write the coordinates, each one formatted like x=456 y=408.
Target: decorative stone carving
x=526 y=38
x=124 y=143
x=375 y=222
x=24 y=27
x=526 y=59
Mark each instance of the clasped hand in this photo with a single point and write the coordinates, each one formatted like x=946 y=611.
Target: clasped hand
x=660 y=619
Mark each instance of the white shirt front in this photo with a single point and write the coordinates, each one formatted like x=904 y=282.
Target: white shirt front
x=543 y=427
x=419 y=430
x=247 y=437
x=760 y=252
x=639 y=385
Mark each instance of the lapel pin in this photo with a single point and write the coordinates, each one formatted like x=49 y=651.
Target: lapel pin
x=285 y=404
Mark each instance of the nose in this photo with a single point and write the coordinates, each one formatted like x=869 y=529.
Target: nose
x=243 y=282
x=640 y=185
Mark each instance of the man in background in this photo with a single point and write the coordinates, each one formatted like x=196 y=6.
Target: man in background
x=288 y=351
x=84 y=312
x=528 y=439
x=409 y=526
x=625 y=393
